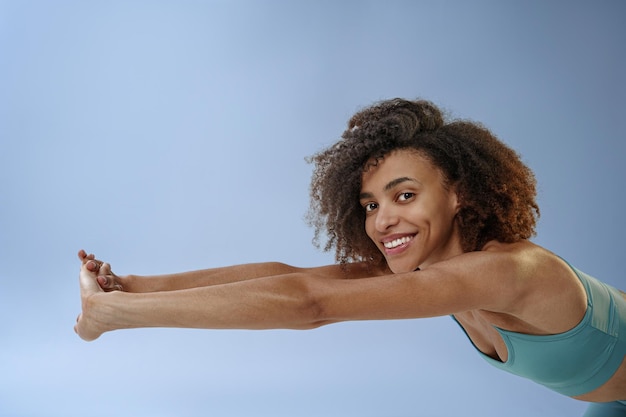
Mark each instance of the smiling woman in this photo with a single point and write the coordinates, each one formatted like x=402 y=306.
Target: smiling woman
x=427 y=218
x=496 y=190
x=409 y=212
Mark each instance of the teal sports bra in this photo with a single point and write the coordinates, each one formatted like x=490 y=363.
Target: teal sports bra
x=579 y=360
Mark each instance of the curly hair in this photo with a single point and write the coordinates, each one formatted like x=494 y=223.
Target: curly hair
x=495 y=189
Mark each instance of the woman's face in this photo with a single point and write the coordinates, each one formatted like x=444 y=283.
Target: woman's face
x=409 y=213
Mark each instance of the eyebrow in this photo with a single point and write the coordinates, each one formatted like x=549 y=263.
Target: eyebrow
x=389 y=186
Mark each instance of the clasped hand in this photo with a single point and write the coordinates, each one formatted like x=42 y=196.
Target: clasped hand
x=96 y=279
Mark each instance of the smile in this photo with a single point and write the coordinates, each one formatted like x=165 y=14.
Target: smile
x=397 y=242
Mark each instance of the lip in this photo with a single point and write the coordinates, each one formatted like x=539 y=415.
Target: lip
x=400 y=248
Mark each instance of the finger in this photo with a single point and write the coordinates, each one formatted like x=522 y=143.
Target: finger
x=93 y=265
x=88 y=282
x=84 y=257
x=105 y=269
x=109 y=282
x=106 y=282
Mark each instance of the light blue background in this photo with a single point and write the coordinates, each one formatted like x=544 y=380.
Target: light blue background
x=171 y=136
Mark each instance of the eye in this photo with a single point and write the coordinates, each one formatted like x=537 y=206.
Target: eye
x=369 y=207
x=406 y=196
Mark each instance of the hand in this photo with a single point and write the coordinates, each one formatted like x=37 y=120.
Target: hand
x=87 y=326
x=107 y=280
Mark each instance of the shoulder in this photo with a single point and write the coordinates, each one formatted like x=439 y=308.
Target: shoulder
x=547 y=291
x=528 y=260
x=508 y=275
x=524 y=259
x=504 y=261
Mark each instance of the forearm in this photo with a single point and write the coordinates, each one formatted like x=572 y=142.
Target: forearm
x=204 y=278
x=283 y=301
x=238 y=273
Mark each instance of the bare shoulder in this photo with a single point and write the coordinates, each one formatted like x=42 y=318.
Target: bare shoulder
x=550 y=295
x=517 y=264
x=528 y=260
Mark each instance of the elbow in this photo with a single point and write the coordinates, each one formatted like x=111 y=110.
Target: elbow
x=311 y=313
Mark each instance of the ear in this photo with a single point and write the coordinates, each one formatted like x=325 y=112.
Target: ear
x=455 y=201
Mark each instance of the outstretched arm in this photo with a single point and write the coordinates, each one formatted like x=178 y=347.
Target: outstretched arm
x=110 y=281
x=266 y=302
x=300 y=300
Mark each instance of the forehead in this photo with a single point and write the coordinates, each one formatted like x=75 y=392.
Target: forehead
x=401 y=163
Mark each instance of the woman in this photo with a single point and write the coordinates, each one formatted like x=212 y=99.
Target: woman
x=427 y=218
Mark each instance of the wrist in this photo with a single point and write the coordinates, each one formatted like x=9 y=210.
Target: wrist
x=129 y=283
x=139 y=283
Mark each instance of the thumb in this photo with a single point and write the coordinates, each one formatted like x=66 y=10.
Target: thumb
x=88 y=281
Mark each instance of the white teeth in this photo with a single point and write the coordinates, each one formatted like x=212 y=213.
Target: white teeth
x=397 y=242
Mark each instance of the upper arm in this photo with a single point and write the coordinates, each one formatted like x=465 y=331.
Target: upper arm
x=477 y=280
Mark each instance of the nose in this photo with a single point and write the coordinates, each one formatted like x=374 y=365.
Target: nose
x=386 y=217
